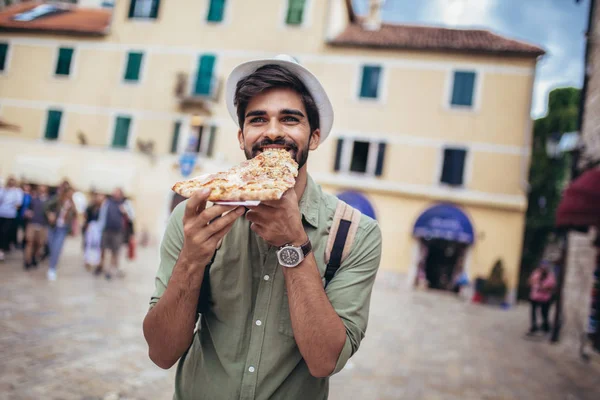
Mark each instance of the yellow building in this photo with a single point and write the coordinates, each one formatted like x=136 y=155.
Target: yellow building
x=112 y=95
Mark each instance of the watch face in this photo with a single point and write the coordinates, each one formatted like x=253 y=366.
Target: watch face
x=289 y=256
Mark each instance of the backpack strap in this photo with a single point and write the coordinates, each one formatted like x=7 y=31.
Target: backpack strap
x=341 y=237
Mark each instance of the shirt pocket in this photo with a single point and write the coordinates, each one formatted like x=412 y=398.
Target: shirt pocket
x=285 y=320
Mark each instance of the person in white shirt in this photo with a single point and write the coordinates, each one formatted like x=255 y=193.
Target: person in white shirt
x=11 y=197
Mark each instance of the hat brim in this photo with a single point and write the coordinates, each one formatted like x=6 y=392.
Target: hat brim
x=311 y=82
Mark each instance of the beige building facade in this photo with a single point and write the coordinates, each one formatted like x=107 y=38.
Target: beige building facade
x=110 y=96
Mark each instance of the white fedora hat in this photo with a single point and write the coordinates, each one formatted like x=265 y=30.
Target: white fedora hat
x=310 y=81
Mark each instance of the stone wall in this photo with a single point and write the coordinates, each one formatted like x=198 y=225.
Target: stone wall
x=578 y=287
x=591 y=120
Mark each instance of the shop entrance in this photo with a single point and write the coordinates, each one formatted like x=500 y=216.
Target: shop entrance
x=444 y=233
x=444 y=263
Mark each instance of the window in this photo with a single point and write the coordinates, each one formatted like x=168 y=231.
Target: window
x=53 y=124
x=121 y=135
x=216 y=10
x=462 y=88
x=360 y=156
x=63 y=64
x=3 y=55
x=134 y=66
x=369 y=87
x=453 y=167
x=175 y=139
x=204 y=78
x=295 y=12
x=205 y=143
x=144 y=9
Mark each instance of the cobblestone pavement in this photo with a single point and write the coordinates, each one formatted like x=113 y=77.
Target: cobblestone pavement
x=80 y=338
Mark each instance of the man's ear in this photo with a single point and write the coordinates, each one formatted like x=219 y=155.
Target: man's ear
x=315 y=139
x=241 y=139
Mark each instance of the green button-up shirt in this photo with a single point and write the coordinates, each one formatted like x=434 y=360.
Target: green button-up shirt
x=244 y=347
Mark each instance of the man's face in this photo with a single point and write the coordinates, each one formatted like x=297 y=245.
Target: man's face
x=43 y=190
x=117 y=194
x=277 y=119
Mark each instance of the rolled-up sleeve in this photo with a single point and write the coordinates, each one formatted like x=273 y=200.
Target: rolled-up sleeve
x=350 y=290
x=170 y=248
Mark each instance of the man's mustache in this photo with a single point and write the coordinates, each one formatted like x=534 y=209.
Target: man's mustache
x=277 y=142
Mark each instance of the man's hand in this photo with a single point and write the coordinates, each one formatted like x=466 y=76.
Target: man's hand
x=278 y=222
x=203 y=228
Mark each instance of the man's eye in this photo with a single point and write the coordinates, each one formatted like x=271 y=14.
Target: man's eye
x=257 y=119
x=290 y=119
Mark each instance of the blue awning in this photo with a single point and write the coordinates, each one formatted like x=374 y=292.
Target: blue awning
x=444 y=221
x=358 y=201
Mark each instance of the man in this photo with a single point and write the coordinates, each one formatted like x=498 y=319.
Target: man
x=271 y=332
x=21 y=219
x=36 y=232
x=11 y=197
x=112 y=224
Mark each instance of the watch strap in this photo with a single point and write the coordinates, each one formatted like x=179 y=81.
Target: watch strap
x=306 y=248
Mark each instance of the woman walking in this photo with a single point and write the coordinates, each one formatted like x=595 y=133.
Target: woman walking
x=542 y=283
x=60 y=212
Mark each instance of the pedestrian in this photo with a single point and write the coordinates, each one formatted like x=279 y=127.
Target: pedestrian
x=60 y=212
x=271 y=329
x=129 y=229
x=112 y=222
x=11 y=198
x=36 y=232
x=21 y=219
x=542 y=283
x=92 y=232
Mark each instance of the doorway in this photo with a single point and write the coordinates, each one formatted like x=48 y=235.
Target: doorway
x=444 y=263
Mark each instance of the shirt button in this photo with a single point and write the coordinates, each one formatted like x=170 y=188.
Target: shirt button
x=258 y=322
x=251 y=369
x=266 y=277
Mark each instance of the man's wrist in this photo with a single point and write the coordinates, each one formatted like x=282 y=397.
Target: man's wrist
x=189 y=273
x=299 y=241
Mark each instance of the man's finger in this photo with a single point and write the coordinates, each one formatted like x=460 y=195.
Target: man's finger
x=224 y=221
x=212 y=213
x=197 y=203
x=221 y=233
x=256 y=216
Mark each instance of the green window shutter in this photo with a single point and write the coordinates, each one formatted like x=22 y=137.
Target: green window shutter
x=369 y=87
x=295 y=12
x=63 y=65
x=338 y=155
x=211 y=141
x=134 y=65
x=3 y=55
x=204 y=78
x=380 y=158
x=121 y=135
x=175 y=140
x=154 y=9
x=462 y=89
x=53 y=124
x=132 y=8
x=216 y=11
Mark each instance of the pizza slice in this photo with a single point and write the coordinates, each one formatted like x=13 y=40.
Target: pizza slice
x=265 y=177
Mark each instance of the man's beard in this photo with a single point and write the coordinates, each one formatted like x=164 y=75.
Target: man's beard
x=300 y=155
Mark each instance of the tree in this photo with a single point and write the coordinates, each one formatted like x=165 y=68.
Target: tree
x=547 y=177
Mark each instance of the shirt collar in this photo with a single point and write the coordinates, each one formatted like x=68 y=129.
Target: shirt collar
x=310 y=202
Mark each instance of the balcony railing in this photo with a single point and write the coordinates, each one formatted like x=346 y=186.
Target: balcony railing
x=198 y=94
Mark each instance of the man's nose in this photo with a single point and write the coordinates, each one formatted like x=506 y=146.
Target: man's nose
x=273 y=129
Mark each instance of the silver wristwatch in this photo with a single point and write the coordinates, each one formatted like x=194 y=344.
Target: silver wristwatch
x=291 y=256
